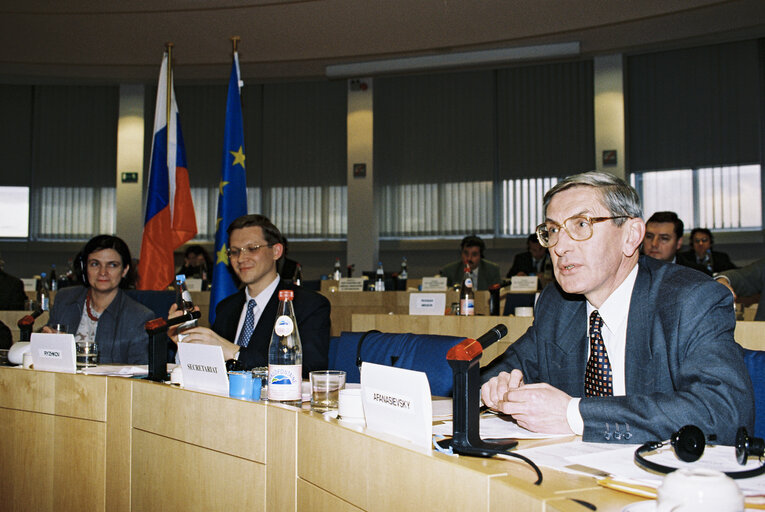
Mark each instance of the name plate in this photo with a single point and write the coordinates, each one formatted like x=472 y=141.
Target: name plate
x=351 y=284
x=524 y=283
x=434 y=284
x=203 y=368
x=397 y=402
x=194 y=284
x=427 y=304
x=53 y=352
x=30 y=284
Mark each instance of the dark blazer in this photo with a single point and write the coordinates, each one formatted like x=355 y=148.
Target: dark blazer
x=682 y=365
x=312 y=314
x=720 y=261
x=749 y=280
x=488 y=273
x=120 y=334
x=524 y=262
x=12 y=295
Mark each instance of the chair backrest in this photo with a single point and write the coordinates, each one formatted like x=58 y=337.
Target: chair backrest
x=157 y=301
x=420 y=352
x=755 y=363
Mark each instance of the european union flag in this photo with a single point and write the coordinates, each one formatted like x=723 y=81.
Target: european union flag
x=232 y=198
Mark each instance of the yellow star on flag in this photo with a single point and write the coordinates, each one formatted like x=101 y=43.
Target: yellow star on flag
x=221 y=185
x=222 y=255
x=238 y=157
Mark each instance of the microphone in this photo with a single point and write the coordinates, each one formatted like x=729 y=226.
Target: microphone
x=494 y=334
x=29 y=320
x=161 y=325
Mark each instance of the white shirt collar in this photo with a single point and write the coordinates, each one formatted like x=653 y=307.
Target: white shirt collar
x=616 y=308
x=263 y=297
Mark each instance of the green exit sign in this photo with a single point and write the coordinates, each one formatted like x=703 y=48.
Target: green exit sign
x=129 y=177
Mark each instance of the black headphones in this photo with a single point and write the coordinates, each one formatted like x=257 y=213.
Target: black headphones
x=80 y=258
x=688 y=445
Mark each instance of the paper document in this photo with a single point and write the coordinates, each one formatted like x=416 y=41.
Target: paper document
x=493 y=426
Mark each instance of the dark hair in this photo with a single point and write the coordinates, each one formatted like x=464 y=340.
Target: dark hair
x=270 y=232
x=195 y=250
x=704 y=231
x=668 y=217
x=473 y=241
x=99 y=243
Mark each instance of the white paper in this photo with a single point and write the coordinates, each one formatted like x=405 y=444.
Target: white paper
x=492 y=426
x=30 y=284
x=427 y=304
x=203 y=368
x=193 y=284
x=523 y=283
x=397 y=402
x=53 y=352
x=434 y=284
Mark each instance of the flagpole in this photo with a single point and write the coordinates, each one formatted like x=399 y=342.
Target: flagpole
x=235 y=42
x=169 y=102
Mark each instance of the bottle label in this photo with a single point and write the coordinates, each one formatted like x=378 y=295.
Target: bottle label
x=284 y=326
x=284 y=382
x=469 y=282
x=467 y=307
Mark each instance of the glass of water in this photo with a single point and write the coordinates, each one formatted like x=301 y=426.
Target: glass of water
x=87 y=353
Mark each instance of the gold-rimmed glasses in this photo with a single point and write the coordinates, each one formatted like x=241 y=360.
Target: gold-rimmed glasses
x=578 y=227
x=235 y=252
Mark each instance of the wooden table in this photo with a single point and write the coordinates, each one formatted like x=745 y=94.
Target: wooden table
x=75 y=442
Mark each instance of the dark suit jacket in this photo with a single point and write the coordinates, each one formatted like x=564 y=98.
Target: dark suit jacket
x=749 y=280
x=523 y=262
x=312 y=315
x=488 y=273
x=12 y=295
x=682 y=365
x=720 y=261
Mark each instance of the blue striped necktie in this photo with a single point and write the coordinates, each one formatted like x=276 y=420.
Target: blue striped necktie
x=598 y=380
x=249 y=324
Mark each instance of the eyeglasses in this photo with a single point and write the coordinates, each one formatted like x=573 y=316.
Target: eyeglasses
x=235 y=252
x=109 y=265
x=578 y=227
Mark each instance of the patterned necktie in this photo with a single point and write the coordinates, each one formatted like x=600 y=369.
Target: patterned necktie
x=249 y=324
x=597 y=377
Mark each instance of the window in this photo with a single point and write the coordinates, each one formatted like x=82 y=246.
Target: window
x=73 y=213
x=14 y=212
x=719 y=198
x=522 y=204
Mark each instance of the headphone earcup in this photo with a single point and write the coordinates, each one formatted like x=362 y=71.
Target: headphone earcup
x=746 y=446
x=688 y=443
x=81 y=264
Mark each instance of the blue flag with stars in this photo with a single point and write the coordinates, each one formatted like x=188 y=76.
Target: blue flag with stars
x=232 y=190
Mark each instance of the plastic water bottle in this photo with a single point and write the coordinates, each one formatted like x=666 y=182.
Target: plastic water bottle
x=380 y=278
x=43 y=294
x=467 y=295
x=337 y=272
x=285 y=355
x=53 y=278
x=403 y=274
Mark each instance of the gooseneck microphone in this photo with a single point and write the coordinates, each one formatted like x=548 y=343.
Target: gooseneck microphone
x=157 y=331
x=26 y=323
x=494 y=334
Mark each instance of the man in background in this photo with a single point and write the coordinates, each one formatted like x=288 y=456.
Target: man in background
x=664 y=238
x=701 y=254
x=12 y=295
x=533 y=261
x=746 y=281
x=483 y=272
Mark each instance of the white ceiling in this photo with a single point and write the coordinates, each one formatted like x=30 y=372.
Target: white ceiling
x=118 y=40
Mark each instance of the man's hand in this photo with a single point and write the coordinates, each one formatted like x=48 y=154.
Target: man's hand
x=48 y=330
x=537 y=407
x=493 y=392
x=724 y=281
x=207 y=336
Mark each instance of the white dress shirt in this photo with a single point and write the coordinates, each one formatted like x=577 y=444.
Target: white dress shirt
x=614 y=312
x=261 y=300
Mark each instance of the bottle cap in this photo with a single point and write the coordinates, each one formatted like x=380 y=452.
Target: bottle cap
x=286 y=295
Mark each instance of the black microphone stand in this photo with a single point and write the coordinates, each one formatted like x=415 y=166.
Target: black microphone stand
x=157 y=331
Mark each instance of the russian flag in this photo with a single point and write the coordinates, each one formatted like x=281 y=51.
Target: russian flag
x=232 y=198
x=170 y=219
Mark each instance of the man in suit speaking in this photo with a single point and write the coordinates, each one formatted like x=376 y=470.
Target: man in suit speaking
x=254 y=247
x=624 y=348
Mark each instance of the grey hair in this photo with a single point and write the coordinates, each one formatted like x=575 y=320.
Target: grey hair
x=618 y=196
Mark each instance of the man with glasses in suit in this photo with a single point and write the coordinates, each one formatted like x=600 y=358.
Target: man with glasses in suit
x=255 y=246
x=624 y=348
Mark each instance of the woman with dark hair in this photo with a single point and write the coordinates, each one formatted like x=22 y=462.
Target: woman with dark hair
x=100 y=310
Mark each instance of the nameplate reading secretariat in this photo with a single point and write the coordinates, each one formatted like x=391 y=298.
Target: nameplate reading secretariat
x=53 y=352
x=434 y=284
x=427 y=303
x=203 y=368
x=397 y=402
x=351 y=284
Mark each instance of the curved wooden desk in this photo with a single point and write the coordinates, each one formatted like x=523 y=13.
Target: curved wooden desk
x=75 y=442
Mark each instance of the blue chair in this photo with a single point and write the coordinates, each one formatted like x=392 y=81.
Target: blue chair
x=755 y=363
x=420 y=352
